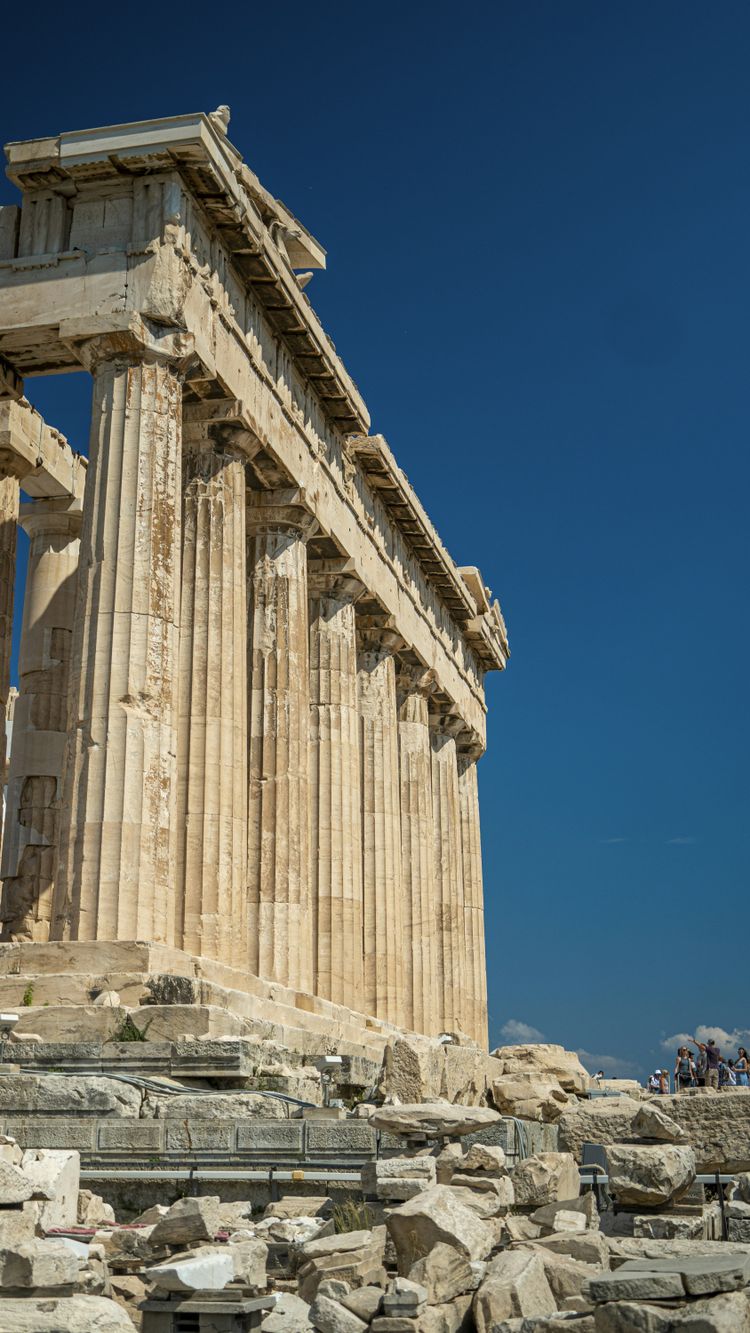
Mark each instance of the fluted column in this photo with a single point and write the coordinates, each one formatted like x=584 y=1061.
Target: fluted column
x=118 y=835
x=449 y=887
x=31 y=841
x=211 y=893
x=476 y=971
x=381 y=825
x=9 y=499
x=280 y=926
x=421 y=1010
x=336 y=841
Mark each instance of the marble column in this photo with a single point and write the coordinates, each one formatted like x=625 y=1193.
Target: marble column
x=9 y=501
x=118 y=833
x=421 y=1011
x=335 y=802
x=12 y=469
x=449 y=888
x=211 y=891
x=381 y=826
x=471 y=849
x=40 y=723
x=280 y=925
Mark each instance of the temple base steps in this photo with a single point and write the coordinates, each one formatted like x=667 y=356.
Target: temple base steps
x=82 y=1002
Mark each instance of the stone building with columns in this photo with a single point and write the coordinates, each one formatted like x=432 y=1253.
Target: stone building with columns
x=251 y=696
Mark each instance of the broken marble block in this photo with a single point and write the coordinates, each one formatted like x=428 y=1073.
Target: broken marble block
x=187 y=1221
x=398 y=1178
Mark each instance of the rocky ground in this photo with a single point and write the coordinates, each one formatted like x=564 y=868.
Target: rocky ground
x=446 y=1234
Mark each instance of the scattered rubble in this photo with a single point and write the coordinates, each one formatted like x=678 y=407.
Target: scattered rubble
x=455 y=1234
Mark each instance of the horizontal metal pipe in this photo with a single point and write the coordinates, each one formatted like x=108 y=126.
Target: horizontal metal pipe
x=201 y=1173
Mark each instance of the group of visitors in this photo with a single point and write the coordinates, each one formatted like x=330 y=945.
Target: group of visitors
x=707 y=1069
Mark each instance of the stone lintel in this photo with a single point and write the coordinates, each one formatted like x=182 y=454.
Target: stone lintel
x=37 y=455
x=459 y=593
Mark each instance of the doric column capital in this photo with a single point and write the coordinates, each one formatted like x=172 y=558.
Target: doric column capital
x=61 y=517
x=469 y=746
x=218 y=425
x=413 y=678
x=283 y=511
x=334 y=579
x=447 y=724
x=128 y=339
x=377 y=636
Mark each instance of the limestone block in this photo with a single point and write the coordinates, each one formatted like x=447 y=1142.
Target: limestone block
x=729 y=1313
x=717 y=1126
x=207 y=1269
x=485 y=1157
x=214 y=1106
x=404 y=1297
x=152 y=1215
x=438 y=1215
x=38 y=1263
x=649 y=1176
x=250 y=1258
x=433 y=1119
x=64 y=1314
x=666 y=1226
x=56 y=1094
x=15 y=1187
x=651 y=1123
x=451 y=1317
x=92 y=1210
x=18 y=1223
x=329 y=1316
x=546 y=1178
x=567 y=1276
x=364 y=1302
x=296 y=1205
x=544 y=1058
x=445 y=1273
x=10 y=1150
x=529 y=1098
x=55 y=1175
x=515 y=1285
x=355 y=1258
x=585 y=1204
x=289 y=1315
x=128 y=1290
x=589 y=1248
x=188 y=1220
x=701 y=1274
x=500 y=1187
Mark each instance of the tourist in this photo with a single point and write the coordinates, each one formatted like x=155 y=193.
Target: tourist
x=713 y=1060
x=701 y=1065
x=664 y=1083
x=727 y=1076
x=742 y=1068
x=599 y=1075
x=684 y=1070
x=654 y=1081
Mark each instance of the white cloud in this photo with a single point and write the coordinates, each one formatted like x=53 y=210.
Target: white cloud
x=516 y=1033
x=610 y=842
x=725 y=1040
x=611 y=1064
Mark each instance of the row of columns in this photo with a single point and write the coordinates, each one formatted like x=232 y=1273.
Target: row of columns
x=251 y=772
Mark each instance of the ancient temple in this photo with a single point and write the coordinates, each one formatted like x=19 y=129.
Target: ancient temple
x=251 y=695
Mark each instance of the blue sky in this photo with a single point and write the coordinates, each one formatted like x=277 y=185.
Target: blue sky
x=536 y=217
